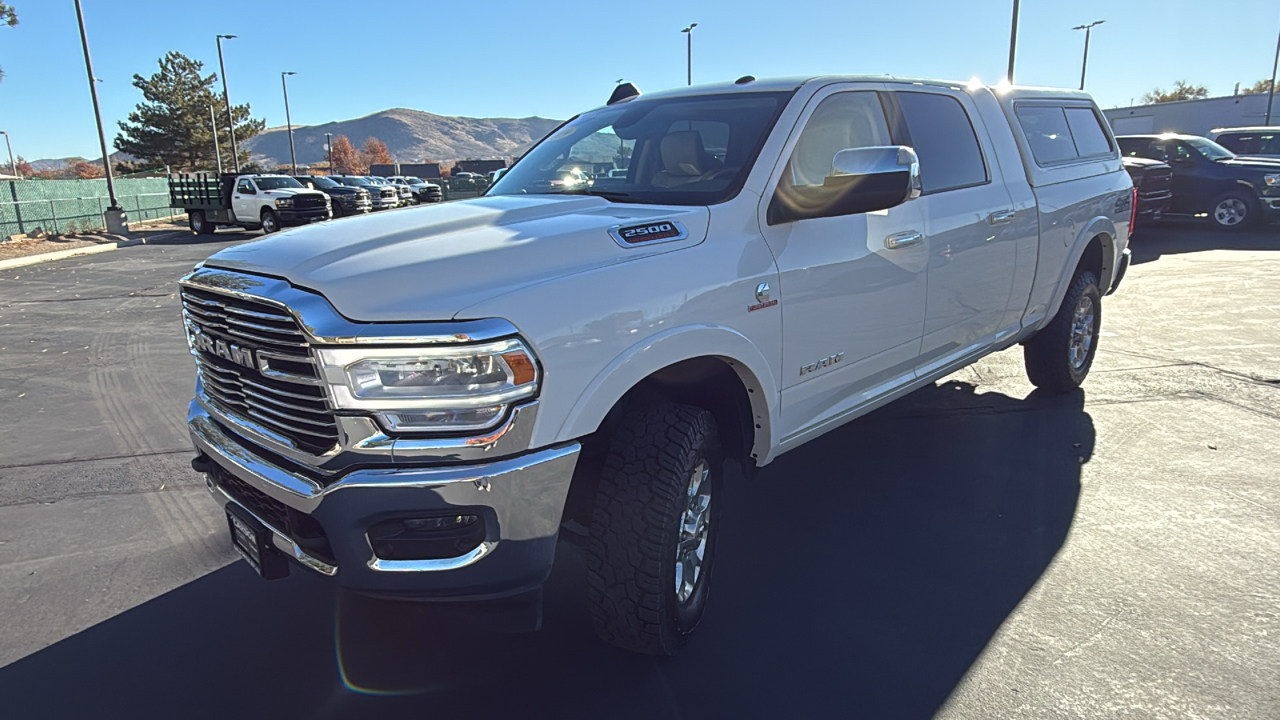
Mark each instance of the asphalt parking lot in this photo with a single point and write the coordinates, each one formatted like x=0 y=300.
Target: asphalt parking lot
x=977 y=550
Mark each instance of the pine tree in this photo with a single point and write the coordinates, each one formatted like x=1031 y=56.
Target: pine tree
x=171 y=127
x=9 y=17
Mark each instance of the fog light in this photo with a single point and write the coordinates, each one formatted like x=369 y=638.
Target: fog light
x=430 y=537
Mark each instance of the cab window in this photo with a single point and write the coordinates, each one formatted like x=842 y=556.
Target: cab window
x=943 y=137
x=842 y=121
x=244 y=186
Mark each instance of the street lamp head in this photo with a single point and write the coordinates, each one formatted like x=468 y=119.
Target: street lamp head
x=690 y=28
x=288 y=73
x=227 y=37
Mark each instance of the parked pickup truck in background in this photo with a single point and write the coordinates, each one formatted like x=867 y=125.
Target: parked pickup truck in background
x=1153 y=181
x=1235 y=193
x=413 y=405
x=346 y=200
x=266 y=202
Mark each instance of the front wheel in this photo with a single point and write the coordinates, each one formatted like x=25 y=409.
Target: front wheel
x=1058 y=357
x=653 y=528
x=1235 y=211
x=270 y=221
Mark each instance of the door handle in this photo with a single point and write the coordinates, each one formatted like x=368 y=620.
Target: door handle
x=903 y=239
x=1001 y=216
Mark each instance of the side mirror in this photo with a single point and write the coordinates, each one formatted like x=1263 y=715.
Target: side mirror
x=862 y=180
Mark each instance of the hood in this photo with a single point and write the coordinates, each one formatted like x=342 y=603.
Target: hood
x=433 y=261
x=290 y=192
x=1253 y=163
x=1140 y=162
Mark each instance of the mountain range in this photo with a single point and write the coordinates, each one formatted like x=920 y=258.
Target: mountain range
x=410 y=136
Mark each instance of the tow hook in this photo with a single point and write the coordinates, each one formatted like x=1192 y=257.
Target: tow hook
x=202 y=464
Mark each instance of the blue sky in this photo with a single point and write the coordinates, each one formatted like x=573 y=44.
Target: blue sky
x=514 y=58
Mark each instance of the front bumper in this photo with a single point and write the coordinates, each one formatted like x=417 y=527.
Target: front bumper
x=520 y=499
x=302 y=217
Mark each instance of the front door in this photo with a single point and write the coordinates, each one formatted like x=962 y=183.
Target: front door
x=969 y=226
x=853 y=287
x=243 y=201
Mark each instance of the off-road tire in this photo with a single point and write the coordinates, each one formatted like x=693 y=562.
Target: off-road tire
x=635 y=528
x=1047 y=355
x=270 y=220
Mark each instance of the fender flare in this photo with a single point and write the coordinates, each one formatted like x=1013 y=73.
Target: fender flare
x=668 y=348
x=1100 y=227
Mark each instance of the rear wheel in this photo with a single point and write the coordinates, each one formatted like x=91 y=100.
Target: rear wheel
x=270 y=221
x=653 y=528
x=1235 y=211
x=199 y=224
x=1058 y=357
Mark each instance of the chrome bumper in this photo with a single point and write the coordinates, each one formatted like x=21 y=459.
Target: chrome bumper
x=522 y=499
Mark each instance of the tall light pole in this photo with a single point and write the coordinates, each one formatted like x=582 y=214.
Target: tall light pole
x=328 y=145
x=293 y=159
x=1271 y=90
x=13 y=167
x=217 y=151
x=1087 y=30
x=226 y=99
x=1013 y=41
x=115 y=214
x=688 y=32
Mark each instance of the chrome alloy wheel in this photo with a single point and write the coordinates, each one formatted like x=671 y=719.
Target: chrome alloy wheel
x=1082 y=321
x=1230 y=212
x=694 y=529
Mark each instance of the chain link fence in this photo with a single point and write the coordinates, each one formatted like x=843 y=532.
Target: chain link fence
x=60 y=206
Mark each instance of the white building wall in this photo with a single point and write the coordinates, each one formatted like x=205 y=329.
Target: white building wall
x=1192 y=117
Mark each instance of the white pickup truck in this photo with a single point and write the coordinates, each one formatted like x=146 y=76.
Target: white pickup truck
x=416 y=404
x=253 y=202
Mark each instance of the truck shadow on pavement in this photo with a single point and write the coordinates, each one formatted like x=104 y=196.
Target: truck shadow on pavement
x=1175 y=237
x=859 y=576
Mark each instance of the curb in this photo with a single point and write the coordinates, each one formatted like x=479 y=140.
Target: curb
x=60 y=254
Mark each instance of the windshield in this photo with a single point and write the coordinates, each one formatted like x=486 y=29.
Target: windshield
x=691 y=150
x=1210 y=149
x=412 y=180
x=276 y=183
x=322 y=182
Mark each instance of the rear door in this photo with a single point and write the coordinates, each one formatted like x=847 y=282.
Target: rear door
x=969 y=217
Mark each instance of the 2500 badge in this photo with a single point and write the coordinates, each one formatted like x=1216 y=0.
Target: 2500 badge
x=648 y=232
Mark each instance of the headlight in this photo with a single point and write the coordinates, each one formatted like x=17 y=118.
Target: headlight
x=284 y=202
x=431 y=388
x=1272 y=180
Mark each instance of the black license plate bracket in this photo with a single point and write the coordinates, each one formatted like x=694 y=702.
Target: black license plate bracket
x=253 y=541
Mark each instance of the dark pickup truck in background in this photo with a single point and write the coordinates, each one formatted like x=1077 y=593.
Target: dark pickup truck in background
x=1154 y=182
x=1210 y=181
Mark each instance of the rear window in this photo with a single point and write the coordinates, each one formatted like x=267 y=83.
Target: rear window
x=1254 y=143
x=1059 y=134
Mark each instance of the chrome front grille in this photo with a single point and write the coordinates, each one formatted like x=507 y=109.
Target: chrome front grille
x=256 y=365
